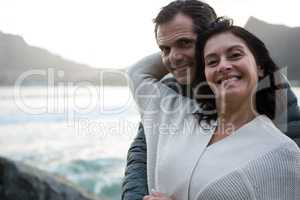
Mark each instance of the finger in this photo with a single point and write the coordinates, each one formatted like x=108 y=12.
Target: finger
x=151 y=197
x=147 y=197
x=158 y=194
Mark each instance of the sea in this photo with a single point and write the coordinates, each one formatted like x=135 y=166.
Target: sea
x=81 y=133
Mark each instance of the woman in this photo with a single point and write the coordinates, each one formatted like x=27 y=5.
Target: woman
x=225 y=147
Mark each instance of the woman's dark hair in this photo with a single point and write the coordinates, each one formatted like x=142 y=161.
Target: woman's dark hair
x=266 y=100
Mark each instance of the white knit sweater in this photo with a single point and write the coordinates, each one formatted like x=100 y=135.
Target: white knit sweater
x=256 y=162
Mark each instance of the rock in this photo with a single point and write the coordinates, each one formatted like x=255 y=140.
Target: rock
x=22 y=182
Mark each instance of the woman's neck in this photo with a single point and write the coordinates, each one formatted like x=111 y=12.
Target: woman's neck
x=232 y=116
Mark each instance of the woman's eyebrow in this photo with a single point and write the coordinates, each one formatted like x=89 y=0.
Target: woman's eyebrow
x=233 y=47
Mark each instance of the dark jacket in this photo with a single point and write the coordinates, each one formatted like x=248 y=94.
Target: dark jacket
x=134 y=185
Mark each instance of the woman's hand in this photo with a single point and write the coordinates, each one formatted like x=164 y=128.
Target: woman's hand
x=156 y=196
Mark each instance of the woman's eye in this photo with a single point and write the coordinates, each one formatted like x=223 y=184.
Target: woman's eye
x=235 y=55
x=211 y=63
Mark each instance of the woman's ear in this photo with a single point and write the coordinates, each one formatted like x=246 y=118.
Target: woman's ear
x=260 y=71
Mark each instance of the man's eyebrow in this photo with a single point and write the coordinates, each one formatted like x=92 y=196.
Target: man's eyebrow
x=162 y=46
x=185 y=39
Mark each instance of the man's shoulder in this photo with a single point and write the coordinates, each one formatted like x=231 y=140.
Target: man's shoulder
x=171 y=82
x=168 y=79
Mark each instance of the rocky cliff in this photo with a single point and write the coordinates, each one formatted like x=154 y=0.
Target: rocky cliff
x=283 y=43
x=22 y=182
x=17 y=57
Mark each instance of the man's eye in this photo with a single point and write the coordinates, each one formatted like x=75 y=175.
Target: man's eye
x=165 y=50
x=185 y=43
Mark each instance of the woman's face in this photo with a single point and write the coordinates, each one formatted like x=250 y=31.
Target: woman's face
x=230 y=67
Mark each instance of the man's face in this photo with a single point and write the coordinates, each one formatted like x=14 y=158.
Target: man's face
x=177 y=40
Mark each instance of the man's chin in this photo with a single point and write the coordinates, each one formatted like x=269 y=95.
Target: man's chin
x=183 y=81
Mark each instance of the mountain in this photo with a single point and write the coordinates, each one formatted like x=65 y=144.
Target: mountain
x=17 y=58
x=37 y=66
x=283 y=43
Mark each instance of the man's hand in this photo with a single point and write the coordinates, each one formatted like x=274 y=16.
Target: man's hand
x=157 y=196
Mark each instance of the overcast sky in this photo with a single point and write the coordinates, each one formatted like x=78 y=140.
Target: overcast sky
x=115 y=33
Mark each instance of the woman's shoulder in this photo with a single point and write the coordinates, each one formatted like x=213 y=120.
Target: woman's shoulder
x=275 y=143
x=266 y=127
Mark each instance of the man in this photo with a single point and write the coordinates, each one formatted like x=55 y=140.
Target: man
x=175 y=31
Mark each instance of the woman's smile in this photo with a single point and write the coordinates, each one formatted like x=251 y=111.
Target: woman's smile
x=230 y=66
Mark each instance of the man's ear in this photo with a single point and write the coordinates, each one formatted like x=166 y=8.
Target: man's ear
x=260 y=71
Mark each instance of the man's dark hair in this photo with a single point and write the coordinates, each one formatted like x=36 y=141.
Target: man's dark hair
x=266 y=100
x=201 y=13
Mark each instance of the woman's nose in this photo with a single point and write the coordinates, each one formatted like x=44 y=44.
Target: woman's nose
x=224 y=66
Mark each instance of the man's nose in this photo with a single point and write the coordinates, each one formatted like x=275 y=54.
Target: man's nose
x=176 y=57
